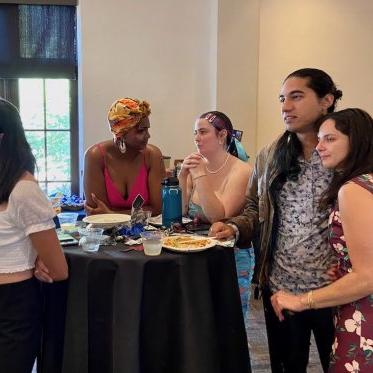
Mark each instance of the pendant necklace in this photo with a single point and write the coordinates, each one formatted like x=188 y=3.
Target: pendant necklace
x=220 y=168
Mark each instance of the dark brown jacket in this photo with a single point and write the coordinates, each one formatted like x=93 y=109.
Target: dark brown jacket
x=256 y=221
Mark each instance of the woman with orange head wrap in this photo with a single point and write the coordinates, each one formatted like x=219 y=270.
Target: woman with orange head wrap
x=115 y=172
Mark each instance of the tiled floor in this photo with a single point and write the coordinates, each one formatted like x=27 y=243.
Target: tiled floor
x=257 y=337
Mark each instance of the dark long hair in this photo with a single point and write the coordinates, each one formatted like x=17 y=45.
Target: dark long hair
x=221 y=121
x=358 y=126
x=15 y=152
x=288 y=147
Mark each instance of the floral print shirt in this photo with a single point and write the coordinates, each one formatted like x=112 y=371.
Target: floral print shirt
x=302 y=255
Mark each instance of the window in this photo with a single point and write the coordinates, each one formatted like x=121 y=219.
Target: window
x=38 y=74
x=45 y=110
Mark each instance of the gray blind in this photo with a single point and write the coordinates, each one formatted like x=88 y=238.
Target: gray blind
x=41 y=2
x=37 y=41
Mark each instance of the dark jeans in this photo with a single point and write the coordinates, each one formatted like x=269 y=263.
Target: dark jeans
x=289 y=340
x=20 y=325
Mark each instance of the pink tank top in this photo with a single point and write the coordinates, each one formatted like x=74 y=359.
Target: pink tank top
x=140 y=186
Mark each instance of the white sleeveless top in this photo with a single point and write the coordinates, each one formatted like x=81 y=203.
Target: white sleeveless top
x=28 y=211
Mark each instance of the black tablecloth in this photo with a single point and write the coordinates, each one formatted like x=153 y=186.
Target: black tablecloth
x=127 y=312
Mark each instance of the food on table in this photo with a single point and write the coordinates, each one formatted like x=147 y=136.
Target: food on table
x=180 y=242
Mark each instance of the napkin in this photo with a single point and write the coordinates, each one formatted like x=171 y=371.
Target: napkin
x=226 y=243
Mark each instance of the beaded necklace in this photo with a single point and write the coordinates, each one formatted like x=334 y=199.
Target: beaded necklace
x=220 y=168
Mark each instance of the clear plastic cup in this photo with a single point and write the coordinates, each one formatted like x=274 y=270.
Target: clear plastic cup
x=67 y=221
x=148 y=215
x=152 y=242
x=90 y=239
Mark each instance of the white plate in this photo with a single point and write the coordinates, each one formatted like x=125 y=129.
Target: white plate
x=209 y=243
x=157 y=220
x=107 y=220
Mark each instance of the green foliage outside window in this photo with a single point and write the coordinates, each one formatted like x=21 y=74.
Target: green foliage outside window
x=45 y=112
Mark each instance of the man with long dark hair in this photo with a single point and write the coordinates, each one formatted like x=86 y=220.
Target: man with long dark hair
x=282 y=216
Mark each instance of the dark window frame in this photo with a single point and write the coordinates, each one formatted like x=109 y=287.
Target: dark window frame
x=62 y=66
x=10 y=91
x=41 y=2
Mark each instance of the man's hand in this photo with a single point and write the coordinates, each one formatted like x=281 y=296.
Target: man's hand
x=332 y=272
x=221 y=231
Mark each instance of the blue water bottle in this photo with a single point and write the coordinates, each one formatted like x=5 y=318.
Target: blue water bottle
x=171 y=202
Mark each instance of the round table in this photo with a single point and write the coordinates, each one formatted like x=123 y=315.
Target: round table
x=127 y=312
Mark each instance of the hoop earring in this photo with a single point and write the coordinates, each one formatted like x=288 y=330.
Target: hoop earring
x=122 y=145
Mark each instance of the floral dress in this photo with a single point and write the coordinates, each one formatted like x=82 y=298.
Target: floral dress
x=352 y=350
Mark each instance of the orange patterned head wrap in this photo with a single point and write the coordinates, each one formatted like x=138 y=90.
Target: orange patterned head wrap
x=125 y=114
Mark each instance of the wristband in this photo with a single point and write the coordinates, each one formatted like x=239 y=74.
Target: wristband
x=310 y=301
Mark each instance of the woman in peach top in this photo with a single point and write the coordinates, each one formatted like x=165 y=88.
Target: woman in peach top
x=214 y=181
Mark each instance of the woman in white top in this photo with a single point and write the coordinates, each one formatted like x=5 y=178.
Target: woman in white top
x=27 y=231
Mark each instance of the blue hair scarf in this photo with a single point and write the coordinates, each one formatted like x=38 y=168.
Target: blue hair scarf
x=236 y=148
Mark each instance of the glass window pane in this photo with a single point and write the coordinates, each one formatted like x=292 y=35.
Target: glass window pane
x=57 y=103
x=43 y=187
x=64 y=188
x=45 y=111
x=36 y=139
x=58 y=156
x=31 y=103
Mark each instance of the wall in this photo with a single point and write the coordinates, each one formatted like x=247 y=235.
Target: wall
x=237 y=66
x=177 y=55
x=163 y=51
x=190 y=57
x=333 y=35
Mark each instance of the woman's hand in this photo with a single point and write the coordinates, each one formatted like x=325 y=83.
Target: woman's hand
x=194 y=164
x=286 y=301
x=221 y=231
x=41 y=271
x=100 y=208
x=199 y=166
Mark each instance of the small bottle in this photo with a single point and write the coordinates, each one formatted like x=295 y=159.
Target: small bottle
x=171 y=202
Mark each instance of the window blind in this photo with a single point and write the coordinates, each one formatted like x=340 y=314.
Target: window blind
x=37 y=41
x=41 y=2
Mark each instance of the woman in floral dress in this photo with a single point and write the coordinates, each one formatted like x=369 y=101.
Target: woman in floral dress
x=346 y=145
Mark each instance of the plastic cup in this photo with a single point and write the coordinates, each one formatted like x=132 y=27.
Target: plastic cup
x=148 y=215
x=90 y=239
x=152 y=242
x=67 y=221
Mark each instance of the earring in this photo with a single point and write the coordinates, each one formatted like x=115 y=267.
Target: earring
x=220 y=142
x=122 y=146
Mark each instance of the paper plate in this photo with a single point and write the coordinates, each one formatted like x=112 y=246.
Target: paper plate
x=188 y=243
x=107 y=220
